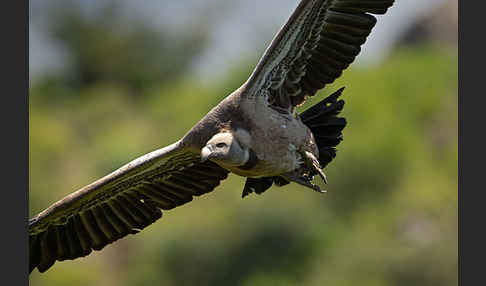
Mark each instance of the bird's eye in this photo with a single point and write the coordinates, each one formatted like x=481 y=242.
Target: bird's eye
x=221 y=145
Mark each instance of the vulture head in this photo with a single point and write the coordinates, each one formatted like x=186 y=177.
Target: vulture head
x=224 y=148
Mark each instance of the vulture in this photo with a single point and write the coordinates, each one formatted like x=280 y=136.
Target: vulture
x=254 y=132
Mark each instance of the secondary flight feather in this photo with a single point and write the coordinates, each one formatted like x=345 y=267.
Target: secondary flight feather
x=254 y=132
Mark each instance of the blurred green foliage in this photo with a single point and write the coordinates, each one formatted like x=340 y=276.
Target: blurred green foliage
x=389 y=217
x=103 y=46
x=390 y=214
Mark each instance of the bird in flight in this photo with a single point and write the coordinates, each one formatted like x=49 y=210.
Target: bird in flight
x=254 y=132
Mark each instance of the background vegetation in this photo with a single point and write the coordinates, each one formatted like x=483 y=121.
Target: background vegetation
x=390 y=214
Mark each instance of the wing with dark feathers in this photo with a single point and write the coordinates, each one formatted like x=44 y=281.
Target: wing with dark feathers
x=121 y=203
x=320 y=40
x=260 y=185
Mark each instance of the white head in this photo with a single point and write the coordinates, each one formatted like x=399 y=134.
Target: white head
x=225 y=149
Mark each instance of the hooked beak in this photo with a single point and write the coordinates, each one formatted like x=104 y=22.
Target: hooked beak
x=205 y=153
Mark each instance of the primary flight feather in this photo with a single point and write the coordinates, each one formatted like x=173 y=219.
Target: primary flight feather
x=254 y=132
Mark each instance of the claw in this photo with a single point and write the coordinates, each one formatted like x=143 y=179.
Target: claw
x=294 y=177
x=322 y=175
x=316 y=166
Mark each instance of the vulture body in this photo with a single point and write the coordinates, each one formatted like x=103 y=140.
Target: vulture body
x=255 y=132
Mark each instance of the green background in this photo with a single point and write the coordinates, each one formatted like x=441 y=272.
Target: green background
x=389 y=217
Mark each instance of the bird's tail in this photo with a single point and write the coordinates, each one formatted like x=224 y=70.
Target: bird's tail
x=326 y=126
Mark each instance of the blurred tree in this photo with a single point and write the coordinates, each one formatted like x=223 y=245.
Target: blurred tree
x=390 y=217
x=105 y=47
x=440 y=26
x=267 y=246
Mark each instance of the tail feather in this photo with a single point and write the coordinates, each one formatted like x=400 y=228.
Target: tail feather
x=326 y=126
x=328 y=140
x=328 y=106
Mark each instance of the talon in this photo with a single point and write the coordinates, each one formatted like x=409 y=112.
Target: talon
x=318 y=189
x=299 y=179
x=323 y=176
x=314 y=164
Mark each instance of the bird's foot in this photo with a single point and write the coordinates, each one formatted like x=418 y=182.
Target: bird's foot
x=314 y=165
x=305 y=181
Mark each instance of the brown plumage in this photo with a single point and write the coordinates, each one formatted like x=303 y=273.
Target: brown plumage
x=254 y=132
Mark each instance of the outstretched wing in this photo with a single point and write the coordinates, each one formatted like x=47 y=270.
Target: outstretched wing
x=122 y=203
x=320 y=40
